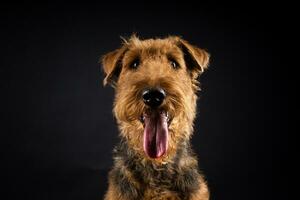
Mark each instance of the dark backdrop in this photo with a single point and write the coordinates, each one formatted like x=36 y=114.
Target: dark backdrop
x=57 y=129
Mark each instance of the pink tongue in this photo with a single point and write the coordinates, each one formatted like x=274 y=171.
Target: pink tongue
x=155 y=134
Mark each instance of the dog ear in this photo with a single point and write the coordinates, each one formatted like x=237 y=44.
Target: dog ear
x=112 y=65
x=196 y=59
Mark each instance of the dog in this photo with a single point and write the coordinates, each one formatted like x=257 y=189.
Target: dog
x=155 y=82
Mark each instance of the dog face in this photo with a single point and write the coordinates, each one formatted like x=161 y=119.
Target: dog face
x=155 y=84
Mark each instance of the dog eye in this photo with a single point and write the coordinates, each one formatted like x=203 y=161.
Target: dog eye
x=135 y=63
x=174 y=64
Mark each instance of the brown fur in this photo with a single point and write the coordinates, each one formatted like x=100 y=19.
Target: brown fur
x=135 y=175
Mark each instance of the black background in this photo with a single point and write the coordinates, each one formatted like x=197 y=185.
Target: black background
x=57 y=129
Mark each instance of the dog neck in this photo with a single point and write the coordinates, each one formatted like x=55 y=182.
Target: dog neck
x=181 y=169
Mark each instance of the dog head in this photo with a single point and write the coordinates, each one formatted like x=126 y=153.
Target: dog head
x=156 y=84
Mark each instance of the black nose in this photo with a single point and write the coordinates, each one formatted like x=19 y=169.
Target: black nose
x=153 y=97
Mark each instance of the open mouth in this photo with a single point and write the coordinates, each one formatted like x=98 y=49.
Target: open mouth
x=156 y=131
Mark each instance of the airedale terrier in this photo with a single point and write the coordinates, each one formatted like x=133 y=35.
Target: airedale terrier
x=155 y=82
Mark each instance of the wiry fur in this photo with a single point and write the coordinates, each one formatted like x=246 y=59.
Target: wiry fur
x=175 y=175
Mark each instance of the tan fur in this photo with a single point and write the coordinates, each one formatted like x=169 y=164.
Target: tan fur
x=155 y=70
x=202 y=193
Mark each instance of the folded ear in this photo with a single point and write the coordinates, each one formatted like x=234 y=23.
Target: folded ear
x=112 y=66
x=196 y=59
